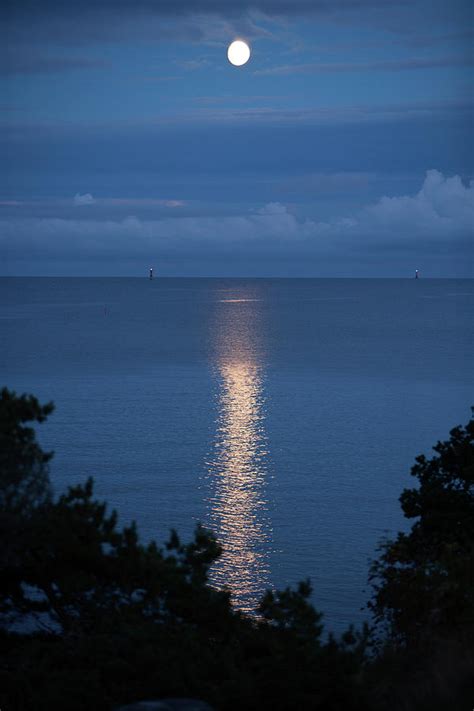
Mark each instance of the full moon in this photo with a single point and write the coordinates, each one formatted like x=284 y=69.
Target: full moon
x=238 y=53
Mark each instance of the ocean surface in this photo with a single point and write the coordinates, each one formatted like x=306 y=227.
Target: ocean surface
x=285 y=414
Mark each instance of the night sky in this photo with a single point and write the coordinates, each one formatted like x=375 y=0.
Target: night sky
x=342 y=148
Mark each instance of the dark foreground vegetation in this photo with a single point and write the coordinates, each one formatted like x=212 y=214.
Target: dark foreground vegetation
x=91 y=618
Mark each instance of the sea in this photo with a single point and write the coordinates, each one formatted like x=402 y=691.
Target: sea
x=283 y=414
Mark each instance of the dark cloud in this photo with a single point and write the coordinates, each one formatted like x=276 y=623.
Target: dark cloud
x=394 y=65
x=8 y=108
x=92 y=21
x=90 y=24
x=196 y=119
x=463 y=37
x=12 y=64
x=178 y=7
x=328 y=183
x=115 y=158
x=193 y=65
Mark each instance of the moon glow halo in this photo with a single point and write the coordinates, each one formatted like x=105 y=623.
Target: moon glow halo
x=238 y=53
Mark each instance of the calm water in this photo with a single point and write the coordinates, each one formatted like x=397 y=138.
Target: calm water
x=285 y=414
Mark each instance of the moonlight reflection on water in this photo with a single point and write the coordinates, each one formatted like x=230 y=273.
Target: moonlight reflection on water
x=237 y=503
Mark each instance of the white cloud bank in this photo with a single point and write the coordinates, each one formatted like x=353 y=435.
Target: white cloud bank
x=443 y=207
x=437 y=219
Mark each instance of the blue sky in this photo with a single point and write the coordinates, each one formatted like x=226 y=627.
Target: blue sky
x=343 y=148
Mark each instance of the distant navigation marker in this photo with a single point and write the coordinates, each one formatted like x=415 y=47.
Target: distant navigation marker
x=151 y=273
x=416 y=274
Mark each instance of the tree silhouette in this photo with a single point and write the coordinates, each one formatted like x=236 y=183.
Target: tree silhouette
x=24 y=473
x=102 y=619
x=91 y=618
x=424 y=579
x=423 y=583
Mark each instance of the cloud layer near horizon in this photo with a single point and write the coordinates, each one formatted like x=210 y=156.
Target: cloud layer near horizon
x=434 y=224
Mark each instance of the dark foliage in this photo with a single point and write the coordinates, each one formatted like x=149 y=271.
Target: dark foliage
x=90 y=618
x=106 y=620
x=24 y=481
x=423 y=582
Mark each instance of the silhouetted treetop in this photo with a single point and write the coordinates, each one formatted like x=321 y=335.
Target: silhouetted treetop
x=24 y=473
x=424 y=579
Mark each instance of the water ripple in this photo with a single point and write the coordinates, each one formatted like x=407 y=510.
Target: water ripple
x=237 y=502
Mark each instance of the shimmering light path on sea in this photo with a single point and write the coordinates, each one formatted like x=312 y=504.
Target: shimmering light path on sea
x=237 y=504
